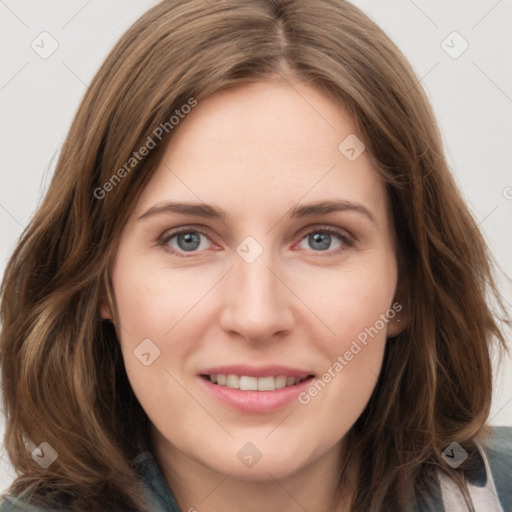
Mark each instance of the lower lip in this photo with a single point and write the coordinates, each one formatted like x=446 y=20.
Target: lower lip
x=256 y=401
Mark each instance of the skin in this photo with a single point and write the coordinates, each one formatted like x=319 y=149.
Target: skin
x=256 y=151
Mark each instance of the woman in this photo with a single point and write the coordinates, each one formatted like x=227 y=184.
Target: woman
x=252 y=284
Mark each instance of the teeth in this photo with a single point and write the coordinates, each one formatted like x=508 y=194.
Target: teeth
x=282 y=381
x=267 y=383
x=246 y=383
x=232 y=381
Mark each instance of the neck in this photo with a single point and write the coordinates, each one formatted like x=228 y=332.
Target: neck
x=313 y=487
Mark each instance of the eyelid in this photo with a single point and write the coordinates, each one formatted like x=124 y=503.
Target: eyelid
x=170 y=233
x=342 y=233
x=347 y=238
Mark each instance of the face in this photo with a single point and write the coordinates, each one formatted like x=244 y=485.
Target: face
x=280 y=282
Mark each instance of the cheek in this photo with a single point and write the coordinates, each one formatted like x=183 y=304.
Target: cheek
x=151 y=299
x=164 y=306
x=152 y=306
x=359 y=319
x=354 y=309
x=352 y=303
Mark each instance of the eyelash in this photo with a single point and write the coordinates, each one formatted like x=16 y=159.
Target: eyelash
x=346 y=239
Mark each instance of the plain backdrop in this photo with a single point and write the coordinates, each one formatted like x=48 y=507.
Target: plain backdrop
x=467 y=76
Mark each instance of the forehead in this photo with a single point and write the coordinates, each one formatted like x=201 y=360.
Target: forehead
x=266 y=146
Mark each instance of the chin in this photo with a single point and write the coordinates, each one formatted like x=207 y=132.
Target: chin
x=262 y=471
x=245 y=461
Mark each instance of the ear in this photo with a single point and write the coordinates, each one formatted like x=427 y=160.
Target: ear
x=106 y=298
x=399 y=319
x=105 y=312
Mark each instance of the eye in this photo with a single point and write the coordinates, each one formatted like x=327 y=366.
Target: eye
x=328 y=240
x=321 y=240
x=185 y=241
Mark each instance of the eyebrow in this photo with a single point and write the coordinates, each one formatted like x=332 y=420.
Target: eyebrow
x=212 y=212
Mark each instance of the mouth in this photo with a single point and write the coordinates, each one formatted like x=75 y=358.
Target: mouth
x=251 y=389
x=251 y=383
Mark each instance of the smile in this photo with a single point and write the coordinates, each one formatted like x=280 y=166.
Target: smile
x=249 y=383
x=251 y=389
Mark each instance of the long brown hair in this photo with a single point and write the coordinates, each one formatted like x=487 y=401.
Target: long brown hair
x=64 y=381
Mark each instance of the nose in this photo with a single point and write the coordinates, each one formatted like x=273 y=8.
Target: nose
x=257 y=305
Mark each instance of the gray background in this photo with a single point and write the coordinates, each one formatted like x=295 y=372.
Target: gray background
x=471 y=95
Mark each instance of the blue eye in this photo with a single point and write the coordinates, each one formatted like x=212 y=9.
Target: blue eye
x=186 y=241
x=321 y=240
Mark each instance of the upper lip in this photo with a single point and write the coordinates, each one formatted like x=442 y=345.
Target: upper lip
x=256 y=371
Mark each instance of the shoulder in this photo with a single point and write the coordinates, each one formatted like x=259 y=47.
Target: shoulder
x=12 y=504
x=25 y=503
x=497 y=439
x=145 y=465
x=496 y=442
x=157 y=492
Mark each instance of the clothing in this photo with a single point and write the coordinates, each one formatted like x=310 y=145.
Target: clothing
x=483 y=493
x=491 y=490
